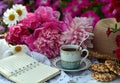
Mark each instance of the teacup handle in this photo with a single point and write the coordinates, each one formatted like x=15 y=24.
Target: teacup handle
x=87 y=53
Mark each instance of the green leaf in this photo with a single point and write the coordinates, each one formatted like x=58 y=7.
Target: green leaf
x=115 y=26
x=63 y=3
x=119 y=29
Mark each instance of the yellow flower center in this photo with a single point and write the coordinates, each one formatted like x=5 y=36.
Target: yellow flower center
x=11 y=17
x=19 y=12
x=18 y=48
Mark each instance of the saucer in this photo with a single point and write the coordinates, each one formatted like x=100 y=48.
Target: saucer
x=84 y=65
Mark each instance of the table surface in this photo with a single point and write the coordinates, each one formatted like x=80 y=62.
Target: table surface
x=68 y=77
x=65 y=77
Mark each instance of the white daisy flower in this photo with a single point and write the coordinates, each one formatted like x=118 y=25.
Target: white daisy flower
x=20 y=10
x=10 y=17
x=20 y=48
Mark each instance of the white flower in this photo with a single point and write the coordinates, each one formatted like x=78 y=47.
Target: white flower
x=20 y=10
x=20 y=48
x=10 y=17
x=3 y=48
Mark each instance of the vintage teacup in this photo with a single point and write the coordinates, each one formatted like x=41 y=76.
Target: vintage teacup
x=71 y=57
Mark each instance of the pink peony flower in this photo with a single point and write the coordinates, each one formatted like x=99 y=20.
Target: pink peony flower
x=91 y=15
x=17 y=34
x=46 y=39
x=31 y=21
x=77 y=28
x=45 y=14
x=73 y=36
x=67 y=20
x=29 y=41
x=82 y=23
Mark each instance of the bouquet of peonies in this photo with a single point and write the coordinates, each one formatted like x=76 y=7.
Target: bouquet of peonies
x=40 y=26
x=43 y=32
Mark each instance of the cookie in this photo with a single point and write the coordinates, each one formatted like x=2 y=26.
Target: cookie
x=99 y=67
x=113 y=66
x=104 y=77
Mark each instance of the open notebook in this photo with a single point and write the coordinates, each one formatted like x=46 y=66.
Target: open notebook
x=21 y=68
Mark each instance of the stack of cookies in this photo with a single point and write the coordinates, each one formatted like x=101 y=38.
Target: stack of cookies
x=105 y=72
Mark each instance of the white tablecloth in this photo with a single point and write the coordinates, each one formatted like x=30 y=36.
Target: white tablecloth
x=64 y=77
x=78 y=77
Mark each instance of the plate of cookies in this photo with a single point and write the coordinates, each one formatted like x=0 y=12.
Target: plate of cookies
x=85 y=65
x=105 y=72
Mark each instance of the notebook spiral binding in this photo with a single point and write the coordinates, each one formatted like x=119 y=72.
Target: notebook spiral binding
x=24 y=69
